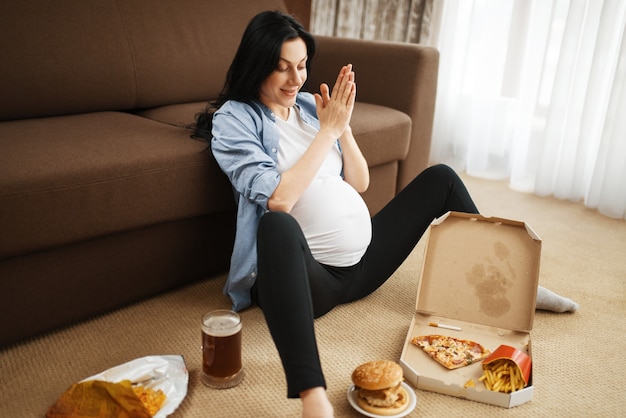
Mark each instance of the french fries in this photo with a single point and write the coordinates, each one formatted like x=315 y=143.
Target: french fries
x=502 y=375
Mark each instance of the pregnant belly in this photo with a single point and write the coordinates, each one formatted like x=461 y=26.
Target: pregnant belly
x=335 y=221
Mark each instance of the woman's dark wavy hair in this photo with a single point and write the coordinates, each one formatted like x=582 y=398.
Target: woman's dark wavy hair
x=256 y=58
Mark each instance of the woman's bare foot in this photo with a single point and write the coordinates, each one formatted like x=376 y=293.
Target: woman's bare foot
x=315 y=403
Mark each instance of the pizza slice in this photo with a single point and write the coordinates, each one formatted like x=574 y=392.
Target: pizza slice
x=451 y=352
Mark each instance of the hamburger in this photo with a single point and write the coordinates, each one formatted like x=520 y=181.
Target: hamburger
x=379 y=388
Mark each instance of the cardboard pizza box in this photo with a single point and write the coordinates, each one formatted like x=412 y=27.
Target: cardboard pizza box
x=479 y=274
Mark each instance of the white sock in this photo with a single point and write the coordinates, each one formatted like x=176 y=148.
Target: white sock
x=547 y=300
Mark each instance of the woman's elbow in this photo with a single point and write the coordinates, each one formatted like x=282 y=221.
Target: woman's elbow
x=276 y=204
x=361 y=188
x=362 y=184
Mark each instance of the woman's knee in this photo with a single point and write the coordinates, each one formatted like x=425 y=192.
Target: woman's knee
x=441 y=171
x=444 y=176
x=279 y=227
x=273 y=221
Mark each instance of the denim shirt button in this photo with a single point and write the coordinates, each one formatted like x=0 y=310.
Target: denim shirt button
x=274 y=150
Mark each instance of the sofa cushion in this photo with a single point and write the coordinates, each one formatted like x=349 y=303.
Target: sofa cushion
x=86 y=56
x=60 y=59
x=72 y=178
x=179 y=56
x=383 y=133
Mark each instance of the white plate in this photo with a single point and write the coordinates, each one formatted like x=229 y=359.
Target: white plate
x=352 y=396
x=167 y=373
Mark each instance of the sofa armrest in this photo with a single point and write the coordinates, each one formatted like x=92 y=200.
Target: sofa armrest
x=398 y=75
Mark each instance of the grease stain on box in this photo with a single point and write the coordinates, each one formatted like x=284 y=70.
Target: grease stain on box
x=492 y=280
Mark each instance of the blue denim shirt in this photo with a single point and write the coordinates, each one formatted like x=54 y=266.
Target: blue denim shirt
x=245 y=145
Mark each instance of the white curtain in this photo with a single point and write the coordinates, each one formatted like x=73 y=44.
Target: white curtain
x=535 y=92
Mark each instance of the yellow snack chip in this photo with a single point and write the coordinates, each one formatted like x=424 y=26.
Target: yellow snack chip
x=152 y=399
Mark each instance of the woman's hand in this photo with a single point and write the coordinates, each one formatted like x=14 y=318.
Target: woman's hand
x=335 y=110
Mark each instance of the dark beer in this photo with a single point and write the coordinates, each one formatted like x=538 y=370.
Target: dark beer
x=221 y=349
x=222 y=355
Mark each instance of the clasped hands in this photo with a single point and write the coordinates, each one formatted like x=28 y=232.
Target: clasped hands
x=334 y=110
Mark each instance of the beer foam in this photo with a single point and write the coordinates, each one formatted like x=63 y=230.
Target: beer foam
x=223 y=326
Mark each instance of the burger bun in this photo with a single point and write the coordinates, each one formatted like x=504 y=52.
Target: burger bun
x=379 y=388
x=377 y=375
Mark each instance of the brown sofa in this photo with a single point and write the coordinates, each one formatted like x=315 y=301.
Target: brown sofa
x=104 y=198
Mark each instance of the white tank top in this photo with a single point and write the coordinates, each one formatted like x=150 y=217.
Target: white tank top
x=333 y=216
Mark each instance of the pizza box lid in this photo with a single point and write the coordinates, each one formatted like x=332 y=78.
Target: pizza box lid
x=480 y=270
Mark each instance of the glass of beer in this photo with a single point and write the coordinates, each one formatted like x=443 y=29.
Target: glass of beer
x=221 y=349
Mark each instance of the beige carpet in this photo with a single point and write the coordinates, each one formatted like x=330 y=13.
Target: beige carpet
x=579 y=365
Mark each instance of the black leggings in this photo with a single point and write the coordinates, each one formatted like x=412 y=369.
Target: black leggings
x=292 y=288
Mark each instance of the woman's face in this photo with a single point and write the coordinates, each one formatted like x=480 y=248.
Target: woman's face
x=279 y=90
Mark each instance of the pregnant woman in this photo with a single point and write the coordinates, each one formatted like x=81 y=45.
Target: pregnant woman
x=305 y=241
